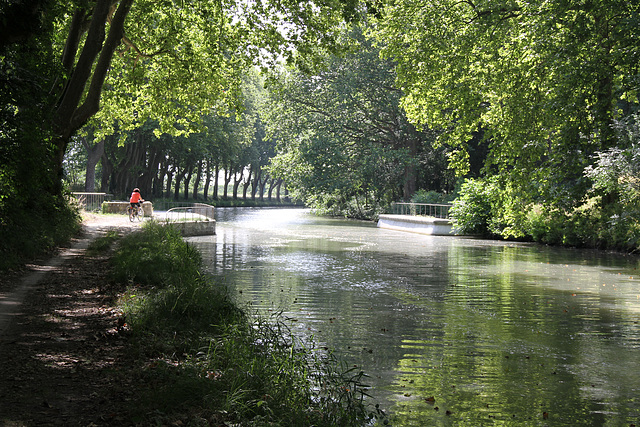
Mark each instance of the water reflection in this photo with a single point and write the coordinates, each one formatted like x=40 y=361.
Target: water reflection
x=453 y=331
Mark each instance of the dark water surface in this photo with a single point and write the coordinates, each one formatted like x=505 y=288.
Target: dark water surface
x=496 y=333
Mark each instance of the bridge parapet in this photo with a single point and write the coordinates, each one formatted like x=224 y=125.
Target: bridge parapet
x=195 y=220
x=435 y=210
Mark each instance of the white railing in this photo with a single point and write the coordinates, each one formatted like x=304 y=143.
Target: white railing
x=92 y=201
x=423 y=209
x=195 y=212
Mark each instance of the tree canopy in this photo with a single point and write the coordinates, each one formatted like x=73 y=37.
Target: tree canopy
x=343 y=140
x=544 y=81
x=174 y=61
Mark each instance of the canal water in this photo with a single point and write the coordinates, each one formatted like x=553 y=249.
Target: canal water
x=450 y=330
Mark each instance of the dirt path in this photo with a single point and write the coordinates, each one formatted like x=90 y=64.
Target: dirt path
x=60 y=347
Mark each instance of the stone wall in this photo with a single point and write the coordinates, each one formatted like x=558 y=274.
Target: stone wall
x=417 y=224
x=121 y=208
x=195 y=228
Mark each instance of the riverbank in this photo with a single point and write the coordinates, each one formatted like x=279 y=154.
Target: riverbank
x=85 y=349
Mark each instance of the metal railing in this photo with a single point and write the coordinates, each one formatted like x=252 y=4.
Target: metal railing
x=194 y=212
x=422 y=209
x=92 y=201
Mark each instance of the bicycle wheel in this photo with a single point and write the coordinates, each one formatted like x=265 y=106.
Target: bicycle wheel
x=140 y=214
x=131 y=214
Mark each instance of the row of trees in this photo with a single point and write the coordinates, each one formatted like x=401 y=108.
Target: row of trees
x=120 y=64
x=226 y=158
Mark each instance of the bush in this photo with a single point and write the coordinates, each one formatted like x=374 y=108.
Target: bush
x=30 y=228
x=472 y=210
x=589 y=225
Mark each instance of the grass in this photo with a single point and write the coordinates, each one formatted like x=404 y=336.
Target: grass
x=201 y=360
x=102 y=244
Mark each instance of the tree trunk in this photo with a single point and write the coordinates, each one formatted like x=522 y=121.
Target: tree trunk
x=107 y=170
x=170 y=173
x=246 y=183
x=227 y=178
x=278 y=187
x=94 y=154
x=162 y=172
x=153 y=164
x=187 y=180
x=179 y=176
x=215 y=180
x=271 y=188
x=256 y=182
x=207 y=180
x=70 y=115
x=237 y=179
x=263 y=183
x=130 y=171
x=196 y=184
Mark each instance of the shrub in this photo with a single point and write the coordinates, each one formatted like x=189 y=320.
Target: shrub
x=472 y=210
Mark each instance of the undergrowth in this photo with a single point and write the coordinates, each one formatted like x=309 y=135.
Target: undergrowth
x=203 y=361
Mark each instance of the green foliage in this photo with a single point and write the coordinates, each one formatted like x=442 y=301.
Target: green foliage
x=181 y=63
x=343 y=140
x=433 y=197
x=471 y=212
x=608 y=217
x=279 y=379
x=336 y=204
x=33 y=218
x=35 y=227
x=158 y=257
x=541 y=82
x=616 y=171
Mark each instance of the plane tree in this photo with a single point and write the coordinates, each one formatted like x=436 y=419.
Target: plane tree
x=132 y=60
x=344 y=142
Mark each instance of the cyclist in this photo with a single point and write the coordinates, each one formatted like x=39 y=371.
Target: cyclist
x=135 y=199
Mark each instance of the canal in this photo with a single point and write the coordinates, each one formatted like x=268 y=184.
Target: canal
x=450 y=330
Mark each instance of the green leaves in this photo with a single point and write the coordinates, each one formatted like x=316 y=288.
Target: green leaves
x=539 y=79
x=343 y=138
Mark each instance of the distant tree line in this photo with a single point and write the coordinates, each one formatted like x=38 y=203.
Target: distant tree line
x=226 y=159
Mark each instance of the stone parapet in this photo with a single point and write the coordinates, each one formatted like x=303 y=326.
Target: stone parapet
x=121 y=208
x=194 y=228
x=417 y=224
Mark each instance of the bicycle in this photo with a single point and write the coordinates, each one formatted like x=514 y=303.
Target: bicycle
x=135 y=213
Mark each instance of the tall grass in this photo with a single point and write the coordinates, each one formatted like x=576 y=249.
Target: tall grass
x=203 y=361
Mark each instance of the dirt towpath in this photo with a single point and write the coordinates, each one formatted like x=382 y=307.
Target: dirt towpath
x=61 y=348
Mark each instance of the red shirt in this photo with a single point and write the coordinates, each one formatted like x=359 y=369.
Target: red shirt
x=135 y=197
